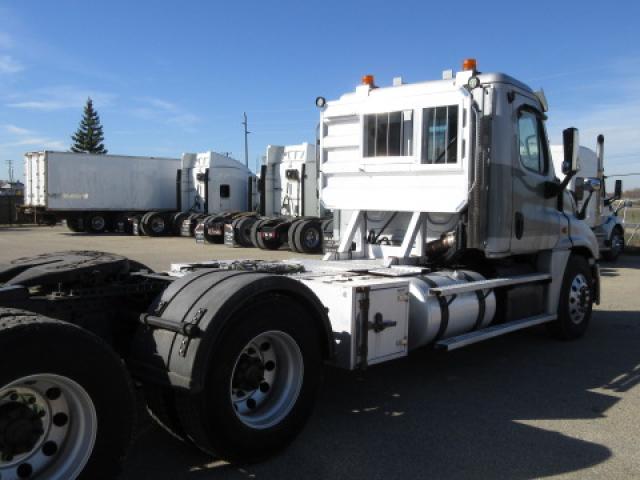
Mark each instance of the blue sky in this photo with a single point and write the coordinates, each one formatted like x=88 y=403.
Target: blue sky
x=168 y=77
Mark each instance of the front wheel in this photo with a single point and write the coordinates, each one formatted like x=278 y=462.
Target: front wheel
x=66 y=401
x=261 y=385
x=617 y=246
x=576 y=300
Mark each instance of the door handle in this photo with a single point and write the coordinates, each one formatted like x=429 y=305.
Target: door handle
x=519 y=225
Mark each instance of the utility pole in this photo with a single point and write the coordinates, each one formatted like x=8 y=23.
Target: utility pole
x=10 y=168
x=246 y=141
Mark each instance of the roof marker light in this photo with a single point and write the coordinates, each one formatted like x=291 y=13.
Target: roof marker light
x=368 y=80
x=469 y=64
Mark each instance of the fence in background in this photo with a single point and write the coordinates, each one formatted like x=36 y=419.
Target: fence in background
x=630 y=216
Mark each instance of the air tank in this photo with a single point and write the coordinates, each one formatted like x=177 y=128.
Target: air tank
x=433 y=318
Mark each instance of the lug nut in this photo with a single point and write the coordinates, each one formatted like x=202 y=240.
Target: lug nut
x=270 y=365
x=50 y=448
x=60 y=419
x=53 y=393
x=251 y=403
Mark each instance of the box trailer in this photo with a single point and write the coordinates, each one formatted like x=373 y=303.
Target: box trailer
x=458 y=232
x=96 y=189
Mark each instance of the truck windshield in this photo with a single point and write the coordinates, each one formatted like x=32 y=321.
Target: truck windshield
x=440 y=134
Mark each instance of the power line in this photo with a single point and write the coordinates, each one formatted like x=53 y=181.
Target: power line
x=623 y=175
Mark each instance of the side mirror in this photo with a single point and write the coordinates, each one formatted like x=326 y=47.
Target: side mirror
x=571 y=144
x=593 y=184
x=618 y=190
x=578 y=188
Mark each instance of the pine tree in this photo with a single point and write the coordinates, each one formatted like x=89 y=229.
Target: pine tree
x=89 y=137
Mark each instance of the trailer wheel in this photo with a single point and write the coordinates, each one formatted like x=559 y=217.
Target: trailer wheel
x=66 y=403
x=75 y=224
x=96 y=223
x=271 y=244
x=176 y=222
x=243 y=229
x=576 y=300
x=261 y=385
x=309 y=237
x=617 y=246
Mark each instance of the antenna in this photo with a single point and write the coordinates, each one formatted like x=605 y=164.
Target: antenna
x=246 y=141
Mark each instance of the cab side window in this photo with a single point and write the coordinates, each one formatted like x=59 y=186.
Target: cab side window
x=532 y=143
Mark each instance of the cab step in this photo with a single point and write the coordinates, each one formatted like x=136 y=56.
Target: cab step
x=470 y=338
x=487 y=284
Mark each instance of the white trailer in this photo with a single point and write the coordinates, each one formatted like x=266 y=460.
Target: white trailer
x=458 y=233
x=97 y=188
x=588 y=188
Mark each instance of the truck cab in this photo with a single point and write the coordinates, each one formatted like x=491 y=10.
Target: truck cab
x=466 y=157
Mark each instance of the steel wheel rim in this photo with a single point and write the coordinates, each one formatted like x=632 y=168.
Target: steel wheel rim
x=264 y=402
x=311 y=238
x=579 y=299
x=98 y=223
x=157 y=225
x=68 y=424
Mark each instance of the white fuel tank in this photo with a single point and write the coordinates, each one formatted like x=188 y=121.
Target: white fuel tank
x=433 y=318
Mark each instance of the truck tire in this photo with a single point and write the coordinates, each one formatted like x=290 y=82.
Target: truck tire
x=308 y=238
x=161 y=405
x=576 y=300
x=96 y=222
x=243 y=229
x=291 y=235
x=617 y=246
x=255 y=233
x=155 y=224
x=176 y=222
x=66 y=403
x=75 y=224
x=261 y=385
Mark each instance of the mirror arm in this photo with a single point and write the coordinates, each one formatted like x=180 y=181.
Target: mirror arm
x=583 y=211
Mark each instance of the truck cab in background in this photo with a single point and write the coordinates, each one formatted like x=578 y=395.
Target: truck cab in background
x=589 y=195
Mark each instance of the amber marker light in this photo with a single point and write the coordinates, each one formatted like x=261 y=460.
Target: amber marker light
x=469 y=64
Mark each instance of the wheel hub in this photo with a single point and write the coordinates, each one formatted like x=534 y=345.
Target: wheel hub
x=266 y=379
x=20 y=429
x=249 y=373
x=579 y=299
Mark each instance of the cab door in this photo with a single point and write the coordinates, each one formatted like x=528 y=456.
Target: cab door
x=535 y=215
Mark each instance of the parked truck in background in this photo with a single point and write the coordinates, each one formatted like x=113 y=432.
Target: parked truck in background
x=94 y=192
x=458 y=231
x=589 y=191
x=291 y=213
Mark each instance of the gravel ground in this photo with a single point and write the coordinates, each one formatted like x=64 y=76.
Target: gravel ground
x=520 y=406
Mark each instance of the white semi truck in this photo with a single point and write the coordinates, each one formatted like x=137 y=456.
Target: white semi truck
x=588 y=188
x=94 y=192
x=458 y=231
x=290 y=210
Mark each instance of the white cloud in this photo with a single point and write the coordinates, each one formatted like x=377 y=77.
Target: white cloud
x=9 y=65
x=62 y=97
x=166 y=112
x=16 y=130
x=23 y=137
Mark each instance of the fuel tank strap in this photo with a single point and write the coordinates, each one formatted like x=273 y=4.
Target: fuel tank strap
x=444 y=309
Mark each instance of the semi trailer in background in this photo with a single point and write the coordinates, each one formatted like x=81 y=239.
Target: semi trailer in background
x=459 y=231
x=589 y=192
x=95 y=192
